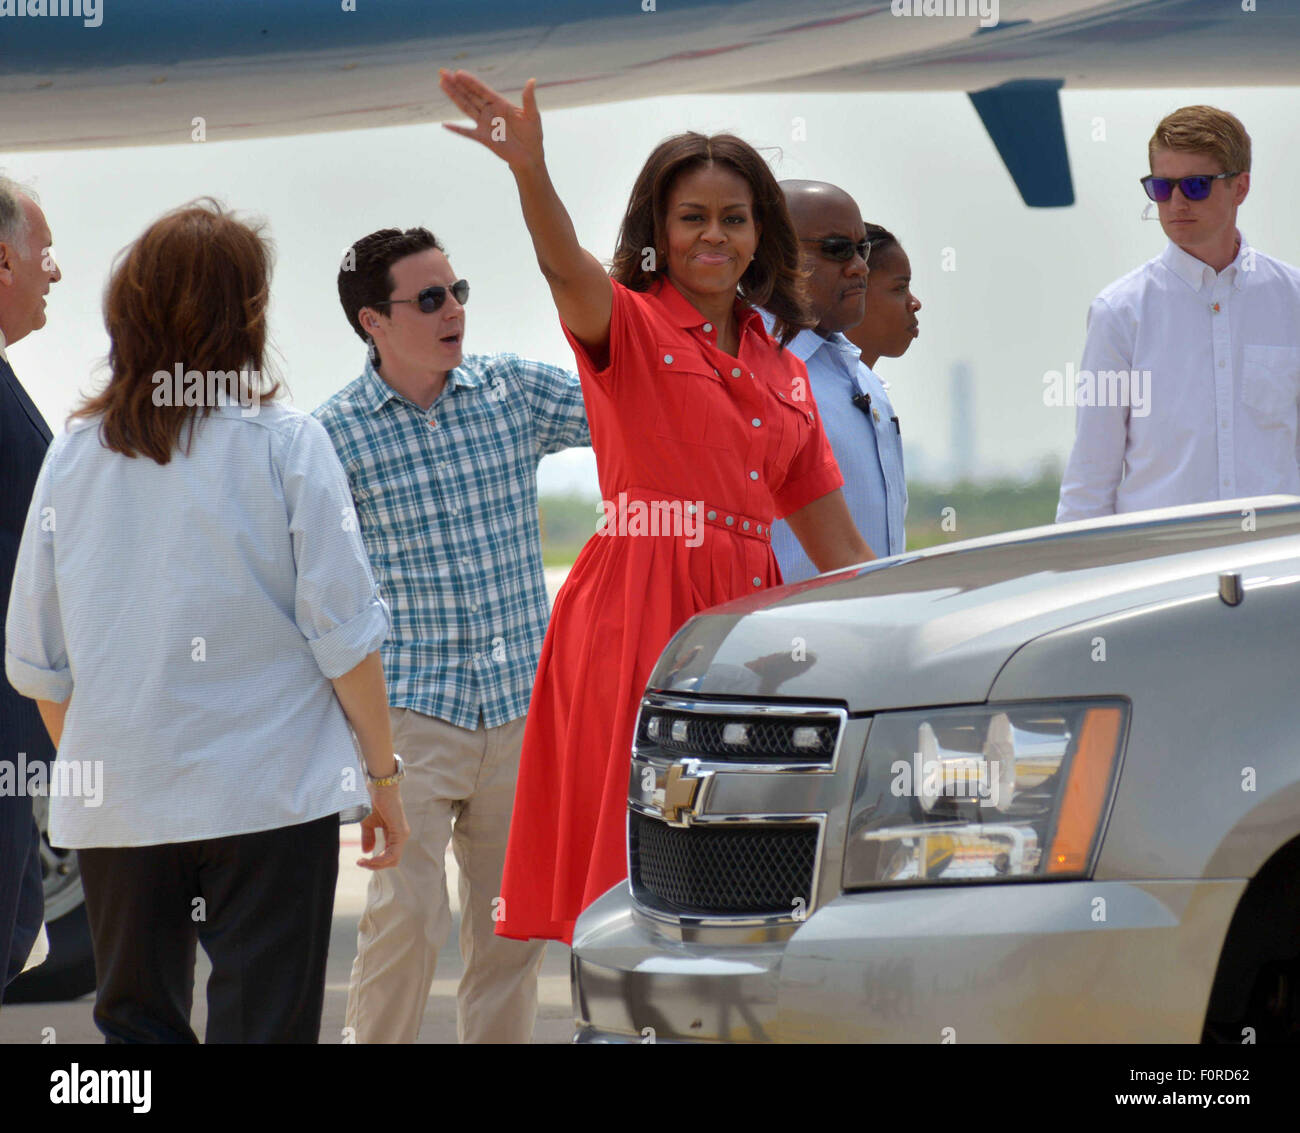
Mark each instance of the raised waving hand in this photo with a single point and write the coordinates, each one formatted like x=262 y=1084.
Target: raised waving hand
x=513 y=133
x=579 y=285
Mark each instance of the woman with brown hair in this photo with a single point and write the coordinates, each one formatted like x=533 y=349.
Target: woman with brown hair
x=704 y=431
x=194 y=613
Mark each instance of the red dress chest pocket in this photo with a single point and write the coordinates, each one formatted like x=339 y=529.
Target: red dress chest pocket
x=691 y=397
x=793 y=415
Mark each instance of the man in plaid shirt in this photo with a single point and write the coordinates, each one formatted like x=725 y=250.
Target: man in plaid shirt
x=441 y=451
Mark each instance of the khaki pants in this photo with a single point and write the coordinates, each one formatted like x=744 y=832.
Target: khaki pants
x=460 y=784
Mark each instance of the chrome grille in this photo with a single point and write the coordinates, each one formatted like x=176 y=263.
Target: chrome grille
x=716 y=869
x=738 y=736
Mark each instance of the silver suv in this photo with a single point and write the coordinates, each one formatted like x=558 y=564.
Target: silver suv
x=1039 y=787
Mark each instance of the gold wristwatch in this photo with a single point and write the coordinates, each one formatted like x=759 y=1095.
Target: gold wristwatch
x=388 y=780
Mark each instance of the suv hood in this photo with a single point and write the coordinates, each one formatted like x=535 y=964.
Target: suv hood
x=936 y=626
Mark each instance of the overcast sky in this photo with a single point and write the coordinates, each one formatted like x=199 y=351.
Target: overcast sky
x=921 y=165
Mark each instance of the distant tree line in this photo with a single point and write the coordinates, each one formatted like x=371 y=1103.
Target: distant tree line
x=937 y=513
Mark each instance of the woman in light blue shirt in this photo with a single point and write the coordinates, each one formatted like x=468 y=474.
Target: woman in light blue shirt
x=890 y=325
x=194 y=613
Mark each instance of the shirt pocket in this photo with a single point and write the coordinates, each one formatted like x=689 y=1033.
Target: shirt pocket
x=1270 y=379
x=791 y=417
x=691 y=398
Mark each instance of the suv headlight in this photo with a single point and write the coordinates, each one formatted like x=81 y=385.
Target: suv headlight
x=983 y=794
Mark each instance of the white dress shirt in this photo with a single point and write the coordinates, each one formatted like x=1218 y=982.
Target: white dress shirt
x=195 y=611
x=1223 y=353
x=3 y=344
x=868 y=447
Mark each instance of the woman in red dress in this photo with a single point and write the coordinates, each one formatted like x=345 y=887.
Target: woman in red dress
x=704 y=431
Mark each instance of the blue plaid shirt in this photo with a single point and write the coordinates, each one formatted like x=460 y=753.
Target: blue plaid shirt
x=447 y=504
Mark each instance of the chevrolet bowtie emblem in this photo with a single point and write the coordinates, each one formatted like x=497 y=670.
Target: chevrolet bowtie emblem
x=680 y=789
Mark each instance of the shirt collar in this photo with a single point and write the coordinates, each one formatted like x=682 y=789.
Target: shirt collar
x=834 y=343
x=807 y=342
x=1197 y=273
x=3 y=344
x=377 y=392
x=684 y=313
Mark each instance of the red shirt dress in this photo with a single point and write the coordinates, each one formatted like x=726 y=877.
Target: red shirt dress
x=677 y=421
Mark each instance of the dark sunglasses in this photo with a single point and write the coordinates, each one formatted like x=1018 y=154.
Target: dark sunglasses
x=432 y=298
x=1195 y=188
x=841 y=248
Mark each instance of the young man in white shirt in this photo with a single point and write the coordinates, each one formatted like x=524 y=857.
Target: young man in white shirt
x=1189 y=386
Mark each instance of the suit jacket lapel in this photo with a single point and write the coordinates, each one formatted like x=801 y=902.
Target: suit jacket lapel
x=8 y=376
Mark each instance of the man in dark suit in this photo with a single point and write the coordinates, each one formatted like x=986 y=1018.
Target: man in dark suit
x=26 y=271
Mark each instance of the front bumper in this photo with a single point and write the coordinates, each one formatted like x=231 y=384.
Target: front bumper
x=635 y=981
x=1061 y=962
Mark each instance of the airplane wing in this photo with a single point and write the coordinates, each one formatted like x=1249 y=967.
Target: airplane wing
x=90 y=73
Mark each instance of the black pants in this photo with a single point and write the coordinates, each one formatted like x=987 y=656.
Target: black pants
x=21 y=887
x=260 y=904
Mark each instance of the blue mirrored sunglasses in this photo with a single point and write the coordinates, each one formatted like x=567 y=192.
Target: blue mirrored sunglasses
x=1195 y=188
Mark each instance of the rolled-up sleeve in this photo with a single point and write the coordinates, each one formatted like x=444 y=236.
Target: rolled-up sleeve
x=554 y=399
x=36 y=653
x=336 y=603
